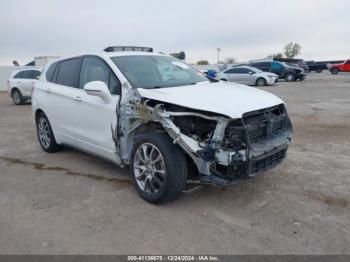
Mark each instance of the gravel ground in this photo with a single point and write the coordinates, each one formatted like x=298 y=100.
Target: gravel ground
x=74 y=203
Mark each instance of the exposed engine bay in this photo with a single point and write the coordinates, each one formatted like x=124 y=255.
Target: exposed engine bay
x=223 y=150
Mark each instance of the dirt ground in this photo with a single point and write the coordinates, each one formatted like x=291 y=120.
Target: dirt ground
x=73 y=203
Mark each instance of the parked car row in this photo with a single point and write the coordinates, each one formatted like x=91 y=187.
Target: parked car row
x=248 y=75
x=269 y=72
x=262 y=73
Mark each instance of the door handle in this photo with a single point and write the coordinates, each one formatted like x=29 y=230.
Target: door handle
x=48 y=90
x=77 y=98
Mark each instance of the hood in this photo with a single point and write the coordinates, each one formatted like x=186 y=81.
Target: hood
x=223 y=98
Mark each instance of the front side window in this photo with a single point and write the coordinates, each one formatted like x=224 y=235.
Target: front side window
x=348 y=62
x=157 y=71
x=67 y=72
x=94 y=69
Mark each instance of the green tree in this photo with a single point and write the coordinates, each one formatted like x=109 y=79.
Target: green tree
x=291 y=50
x=202 y=62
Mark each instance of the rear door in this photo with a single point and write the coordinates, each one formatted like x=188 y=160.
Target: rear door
x=95 y=121
x=277 y=68
x=247 y=76
x=232 y=75
x=28 y=81
x=18 y=81
x=62 y=92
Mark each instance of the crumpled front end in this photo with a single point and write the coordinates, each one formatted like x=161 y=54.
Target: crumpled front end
x=223 y=150
x=253 y=144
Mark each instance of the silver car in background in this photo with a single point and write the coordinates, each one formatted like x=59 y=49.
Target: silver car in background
x=248 y=75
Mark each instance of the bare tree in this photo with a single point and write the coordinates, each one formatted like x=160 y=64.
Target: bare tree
x=278 y=55
x=291 y=50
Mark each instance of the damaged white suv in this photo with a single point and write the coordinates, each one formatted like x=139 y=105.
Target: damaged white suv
x=166 y=120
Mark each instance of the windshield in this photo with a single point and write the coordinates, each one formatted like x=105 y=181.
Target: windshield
x=157 y=71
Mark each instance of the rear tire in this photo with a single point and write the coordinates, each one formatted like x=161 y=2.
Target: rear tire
x=260 y=82
x=158 y=167
x=17 y=97
x=334 y=71
x=45 y=135
x=223 y=79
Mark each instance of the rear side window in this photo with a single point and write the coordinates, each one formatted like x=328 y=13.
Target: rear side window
x=19 y=75
x=231 y=71
x=68 y=72
x=28 y=74
x=34 y=74
x=51 y=71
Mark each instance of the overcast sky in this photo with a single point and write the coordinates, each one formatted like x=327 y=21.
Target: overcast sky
x=242 y=29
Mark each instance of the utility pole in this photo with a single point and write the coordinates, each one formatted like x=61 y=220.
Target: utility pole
x=218 y=53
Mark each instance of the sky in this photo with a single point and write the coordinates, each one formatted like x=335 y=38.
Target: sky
x=244 y=30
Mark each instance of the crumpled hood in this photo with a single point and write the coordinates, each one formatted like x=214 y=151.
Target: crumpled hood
x=224 y=98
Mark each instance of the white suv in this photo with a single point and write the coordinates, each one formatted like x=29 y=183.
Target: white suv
x=21 y=83
x=166 y=120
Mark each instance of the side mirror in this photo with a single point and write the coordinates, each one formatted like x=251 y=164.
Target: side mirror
x=251 y=73
x=98 y=88
x=37 y=77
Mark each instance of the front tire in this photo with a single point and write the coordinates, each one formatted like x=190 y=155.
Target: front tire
x=17 y=97
x=260 y=82
x=158 y=167
x=290 y=77
x=45 y=135
x=335 y=71
x=319 y=70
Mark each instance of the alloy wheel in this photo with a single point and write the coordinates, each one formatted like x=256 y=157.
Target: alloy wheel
x=44 y=132
x=17 y=97
x=149 y=168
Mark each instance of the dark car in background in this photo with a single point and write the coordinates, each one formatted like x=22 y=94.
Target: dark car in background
x=318 y=67
x=283 y=70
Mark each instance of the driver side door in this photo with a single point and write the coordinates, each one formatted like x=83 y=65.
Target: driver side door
x=96 y=120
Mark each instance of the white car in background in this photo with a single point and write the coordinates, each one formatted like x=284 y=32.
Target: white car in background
x=21 y=84
x=247 y=75
x=166 y=120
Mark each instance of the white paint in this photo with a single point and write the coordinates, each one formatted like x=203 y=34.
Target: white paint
x=224 y=98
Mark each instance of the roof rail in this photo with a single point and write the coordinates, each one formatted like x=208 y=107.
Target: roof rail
x=128 y=48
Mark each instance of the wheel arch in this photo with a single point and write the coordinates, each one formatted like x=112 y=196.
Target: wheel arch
x=261 y=77
x=13 y=89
